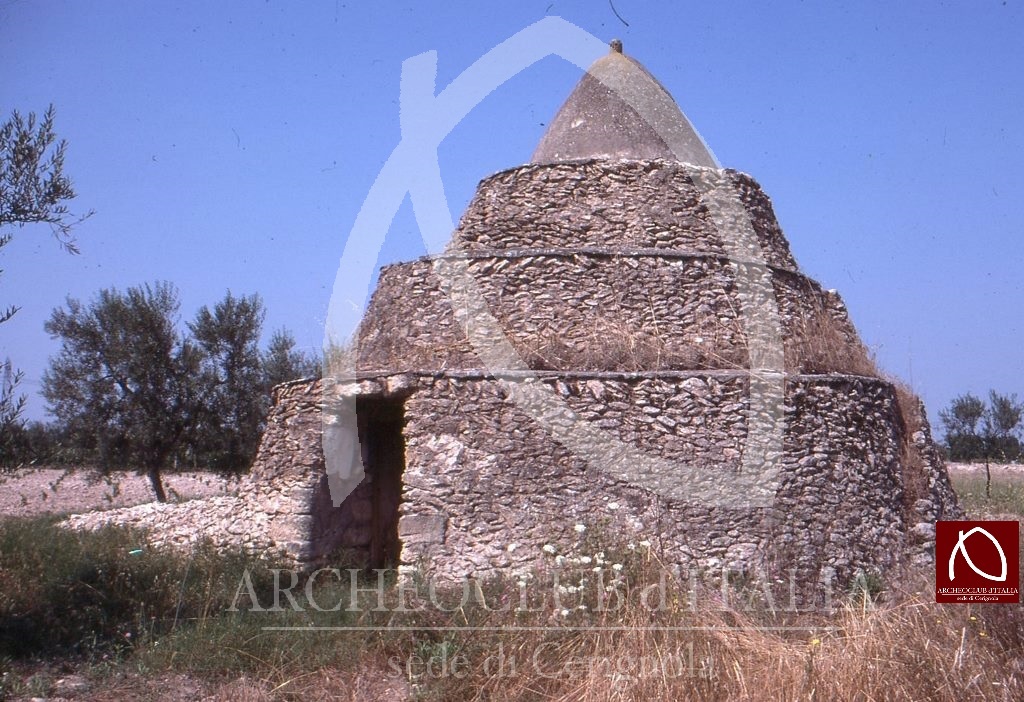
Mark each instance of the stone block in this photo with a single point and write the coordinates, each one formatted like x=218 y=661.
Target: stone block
x=422 y=528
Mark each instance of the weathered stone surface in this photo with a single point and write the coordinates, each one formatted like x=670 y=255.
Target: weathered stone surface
x=581 y=355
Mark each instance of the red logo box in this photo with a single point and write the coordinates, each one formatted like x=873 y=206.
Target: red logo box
x=977 y=561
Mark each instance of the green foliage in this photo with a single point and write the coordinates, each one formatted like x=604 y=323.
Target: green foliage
x=236 y=380
x=125 y=381
x=233 y=402
x=65 y=592
x=11 y=406
x=976 y=430
x=33 y=190
x=33 y=186
x=132 y=390
x=1003 y=423
x=36 y=443
x=283 y=362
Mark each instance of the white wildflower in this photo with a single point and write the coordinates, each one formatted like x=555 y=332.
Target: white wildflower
x=613 y=506
x=548 y=548
x=585 y=560
x=616 y=567
x=580 y=528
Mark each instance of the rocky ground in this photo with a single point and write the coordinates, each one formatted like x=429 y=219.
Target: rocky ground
x=34 y=491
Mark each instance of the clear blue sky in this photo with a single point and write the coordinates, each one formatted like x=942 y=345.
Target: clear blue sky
x=228 y=145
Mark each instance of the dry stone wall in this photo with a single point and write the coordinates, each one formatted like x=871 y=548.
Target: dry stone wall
x=496 y=488
x=607 y=265
x=614 y=287
x=617 y=205
x=485 y=488
x=587 y=310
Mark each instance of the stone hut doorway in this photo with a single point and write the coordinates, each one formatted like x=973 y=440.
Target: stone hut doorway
x=381 y=423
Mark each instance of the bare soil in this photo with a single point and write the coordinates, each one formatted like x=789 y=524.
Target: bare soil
x=30 y=492
x=999 y=470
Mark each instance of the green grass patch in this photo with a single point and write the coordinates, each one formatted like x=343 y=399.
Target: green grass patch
x=1007 y=493
x=88 y=593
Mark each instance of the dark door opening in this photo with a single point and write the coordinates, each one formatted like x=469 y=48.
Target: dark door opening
x=381 y=422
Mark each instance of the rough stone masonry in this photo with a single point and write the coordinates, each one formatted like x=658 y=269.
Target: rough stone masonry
x=608 y=283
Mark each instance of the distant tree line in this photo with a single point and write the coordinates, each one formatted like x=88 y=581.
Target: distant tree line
x=131 y=389
x=984 y=431
x=980 y=430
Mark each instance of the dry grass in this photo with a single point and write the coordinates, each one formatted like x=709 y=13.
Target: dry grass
x=821 y=343
x=899 y=646
x=816 y=339
x=1006 y=498
x=817 y=342
x=915 y=476
x=904 y=647
x=701 y=644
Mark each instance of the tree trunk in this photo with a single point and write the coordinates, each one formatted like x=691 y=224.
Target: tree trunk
x=988 y=479
x=157 y=484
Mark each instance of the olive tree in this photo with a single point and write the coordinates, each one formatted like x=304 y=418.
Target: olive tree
x=986 y=431
x=233 y=405
x=283 y=362
x=33 y=190
x=125 y=380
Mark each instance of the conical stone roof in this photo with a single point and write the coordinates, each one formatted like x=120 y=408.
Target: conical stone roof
x=619 y=110
x=603 y=267
x=614 y=277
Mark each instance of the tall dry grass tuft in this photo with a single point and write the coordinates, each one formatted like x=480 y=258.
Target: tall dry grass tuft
x=915 y=475
x=901 y=646
x=814 y=342
x=818 y=342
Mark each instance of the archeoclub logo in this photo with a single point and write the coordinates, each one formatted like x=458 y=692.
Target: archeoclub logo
x=961 y=549
x=977 y=561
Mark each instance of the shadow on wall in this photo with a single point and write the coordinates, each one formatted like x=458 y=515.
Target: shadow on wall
x=363 y=531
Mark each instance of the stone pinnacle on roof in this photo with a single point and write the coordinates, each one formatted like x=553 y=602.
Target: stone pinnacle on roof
x=619 y=110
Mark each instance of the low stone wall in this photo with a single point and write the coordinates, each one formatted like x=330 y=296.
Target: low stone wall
x=485 y=487
x=282 y=508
